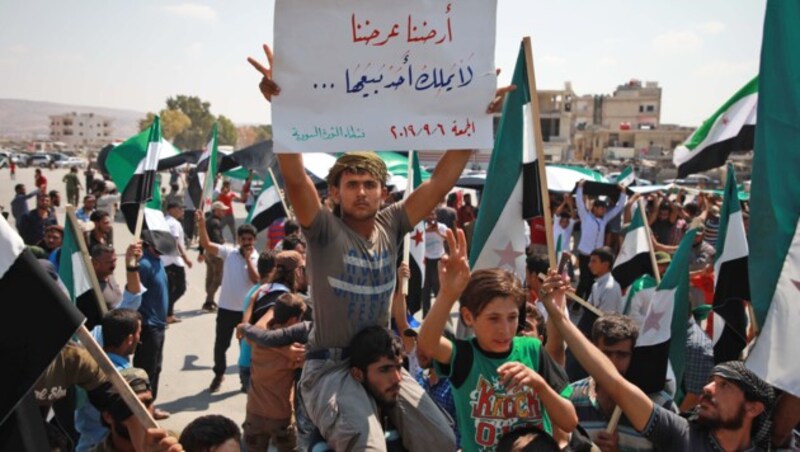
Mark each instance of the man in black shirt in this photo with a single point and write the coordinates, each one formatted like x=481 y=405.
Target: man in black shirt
x=213 y=263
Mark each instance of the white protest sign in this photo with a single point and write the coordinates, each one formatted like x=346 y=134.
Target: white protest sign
x=383 y=74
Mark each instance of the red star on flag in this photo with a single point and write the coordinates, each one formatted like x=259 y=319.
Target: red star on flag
x=507 y=255
x=417 y=237
x=653 y=322
x=725 y=120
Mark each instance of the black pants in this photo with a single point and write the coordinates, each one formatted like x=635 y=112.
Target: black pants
x=431 y=286
x=586 y=278
x=176 y=285
x=188 y=225
x=226 y=325
x=150 y=353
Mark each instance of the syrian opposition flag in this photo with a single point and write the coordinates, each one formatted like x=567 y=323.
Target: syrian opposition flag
x=209 y=177
x=633 y=259
x=499 y=237
x=75 y=275
x=133 y=166
x=268 y=206
x=637 y=301
x=626 y=177
x=775 y=203
x=415 y=242
x=662 y=338
x=30 y=295
x=731 y=128
x=731 y=287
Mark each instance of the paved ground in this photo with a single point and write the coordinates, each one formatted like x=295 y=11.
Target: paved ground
x=188 y=351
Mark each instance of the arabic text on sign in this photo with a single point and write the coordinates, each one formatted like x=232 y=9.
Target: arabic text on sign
x=456 y=129
x=413 y=30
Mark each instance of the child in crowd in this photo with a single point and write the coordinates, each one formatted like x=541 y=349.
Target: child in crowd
x=500 y=381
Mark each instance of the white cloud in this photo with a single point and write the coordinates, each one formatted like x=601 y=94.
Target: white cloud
x=606 y=62
x=677 y=42
x=193 y=11
x=194 y=50
x=712 y=28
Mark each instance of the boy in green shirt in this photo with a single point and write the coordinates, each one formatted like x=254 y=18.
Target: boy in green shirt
x=501 y=382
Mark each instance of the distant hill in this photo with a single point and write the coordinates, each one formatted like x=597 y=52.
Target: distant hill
x=28 y=119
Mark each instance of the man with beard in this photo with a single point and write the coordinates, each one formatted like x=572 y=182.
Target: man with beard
x=376 y=361
x=33 y=224
x=239 y=273
x=118 y=438
x=734 y=410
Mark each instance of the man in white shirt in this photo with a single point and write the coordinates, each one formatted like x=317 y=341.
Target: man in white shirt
x=593 y=231
x=175 y=265
x=239 y=273
x=435 y=234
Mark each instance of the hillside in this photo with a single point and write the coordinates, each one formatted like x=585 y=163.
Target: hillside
x=27 y=119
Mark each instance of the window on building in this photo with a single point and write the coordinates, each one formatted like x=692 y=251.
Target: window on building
x=651 y=108
x=641 y=108
x=550 y=128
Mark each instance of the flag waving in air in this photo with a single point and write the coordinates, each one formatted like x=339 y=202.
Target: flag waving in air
x=731 y=287
x=662 y=338
x=268 y=206
x=775 y=202
x=133 y=166
x=731 y=128
x=416 y=242
x=499 y=237
x=633 y=259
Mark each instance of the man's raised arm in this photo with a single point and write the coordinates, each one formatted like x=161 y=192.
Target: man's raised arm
x=299 y=188
x=633 y=402
x=422 y=200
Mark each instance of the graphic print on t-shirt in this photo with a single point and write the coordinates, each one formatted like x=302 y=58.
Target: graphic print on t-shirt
x=496 y=411
x=367 y=284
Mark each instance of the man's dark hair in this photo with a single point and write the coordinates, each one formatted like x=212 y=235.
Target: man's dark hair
x=537 y=263
x=266 y=263
x=98 y=249
x=290 y=227
x=287 y=305
x=613 y=328
x=247 y=229
x=174 y=204
x=206 y=432
x=527 y=439
x=290 y=242
x=98 y=215
x=487 y=284
x=373 y=343
x=118 y=324
x=564 y=214
x=451 y=200
x=18 y=188
x=605 y=254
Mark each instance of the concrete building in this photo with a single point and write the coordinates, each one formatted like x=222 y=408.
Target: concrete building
x=81 y=131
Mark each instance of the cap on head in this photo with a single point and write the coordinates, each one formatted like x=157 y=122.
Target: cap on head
x=218 y=205
x=137 y=379
x=358 y=162
x=663 y=257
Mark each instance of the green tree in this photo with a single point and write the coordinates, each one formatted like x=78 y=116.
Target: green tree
x=226 y=131
x=199 y=112
x=263 y=132
x=173 y=123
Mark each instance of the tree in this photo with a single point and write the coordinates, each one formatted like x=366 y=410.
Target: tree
x=173 y=123
x=199 y=112
x=226 y=131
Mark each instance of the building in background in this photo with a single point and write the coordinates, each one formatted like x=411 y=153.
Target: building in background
x=81 y=131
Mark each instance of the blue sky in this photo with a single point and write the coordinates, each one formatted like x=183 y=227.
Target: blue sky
x=134 y=54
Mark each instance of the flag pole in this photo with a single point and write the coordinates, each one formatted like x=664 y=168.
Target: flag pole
x=539 y=143
x=86 y=258
x=407 y=237
x=137 y=233
x=289 y=213
x=123 y=388
x=578 y=300
x=653 y=262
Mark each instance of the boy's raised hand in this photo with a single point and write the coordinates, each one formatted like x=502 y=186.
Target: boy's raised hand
x=454 y=266
x=516 y=375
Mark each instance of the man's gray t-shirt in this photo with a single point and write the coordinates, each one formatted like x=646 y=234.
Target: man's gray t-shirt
x=669 y=431
x=352 y=278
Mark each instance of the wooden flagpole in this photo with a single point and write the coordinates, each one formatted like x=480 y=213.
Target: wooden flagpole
x=117 y=380
x=286 y=209
x=407 y=237
x=539 y=143
x=87 y=259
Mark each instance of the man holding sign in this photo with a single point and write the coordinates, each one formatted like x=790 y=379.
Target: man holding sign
x=352 y=258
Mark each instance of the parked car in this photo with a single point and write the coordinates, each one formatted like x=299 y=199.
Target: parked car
x=39 y=160
x=695 y=180
x=66 y=161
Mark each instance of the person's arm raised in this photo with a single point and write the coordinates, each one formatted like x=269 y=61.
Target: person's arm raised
x=453 y=278
x=299 y=188
x=633 y=402
x=206 y=243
